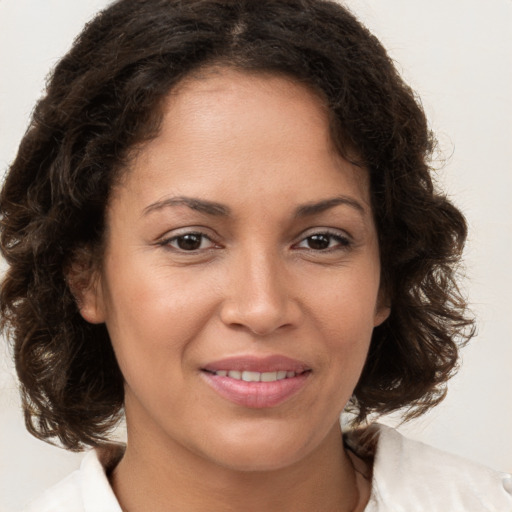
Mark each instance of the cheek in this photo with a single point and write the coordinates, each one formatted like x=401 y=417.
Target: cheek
x=152 y=315
x=345 y=313
x=346 y=300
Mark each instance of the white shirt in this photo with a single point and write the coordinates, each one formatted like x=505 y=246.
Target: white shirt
x=408 y=476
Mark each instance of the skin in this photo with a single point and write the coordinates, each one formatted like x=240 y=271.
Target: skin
x=255 y=284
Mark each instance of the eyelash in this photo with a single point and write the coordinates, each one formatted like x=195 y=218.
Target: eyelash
x=342 y=242
x=168 y=241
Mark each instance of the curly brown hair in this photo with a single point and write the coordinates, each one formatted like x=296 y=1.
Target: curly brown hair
x=103 y=99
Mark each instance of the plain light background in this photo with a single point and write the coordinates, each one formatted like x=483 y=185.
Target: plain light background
x=457 y=55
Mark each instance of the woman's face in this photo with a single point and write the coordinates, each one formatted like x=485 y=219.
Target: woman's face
x=240 y=283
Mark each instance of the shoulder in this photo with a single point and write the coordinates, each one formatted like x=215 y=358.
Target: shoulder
x=412 y=476
x=85 y=490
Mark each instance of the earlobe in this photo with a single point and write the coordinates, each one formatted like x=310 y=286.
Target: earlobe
x=86 y=289
x=382 y=309
x=381 y=314
x=90 y=303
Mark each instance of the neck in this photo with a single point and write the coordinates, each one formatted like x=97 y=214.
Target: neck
x=168 y=477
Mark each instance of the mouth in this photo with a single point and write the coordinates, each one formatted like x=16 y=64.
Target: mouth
x=248 y=376
x=257 y=382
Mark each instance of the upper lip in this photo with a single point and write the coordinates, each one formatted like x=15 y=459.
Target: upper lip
x=251 y=363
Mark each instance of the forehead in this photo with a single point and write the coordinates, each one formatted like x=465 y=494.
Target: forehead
x=227 y=79
x=229 y=96
x=221 y=120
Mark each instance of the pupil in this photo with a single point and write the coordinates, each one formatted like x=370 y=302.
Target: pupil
x=189 y=242
x=318 y=242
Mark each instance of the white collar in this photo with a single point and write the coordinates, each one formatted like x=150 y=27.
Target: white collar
x=408 y=476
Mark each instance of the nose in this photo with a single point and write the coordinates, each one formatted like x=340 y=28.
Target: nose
x=259 y=295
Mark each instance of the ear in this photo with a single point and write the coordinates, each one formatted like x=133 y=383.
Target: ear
x=381 y=314
x=90 y=301
x=84 y=282
x=382 y=308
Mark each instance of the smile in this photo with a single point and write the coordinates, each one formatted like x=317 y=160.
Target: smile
x=257 y=383
x=248 y=376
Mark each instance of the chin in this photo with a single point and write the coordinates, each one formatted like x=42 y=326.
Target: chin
x=261 y=449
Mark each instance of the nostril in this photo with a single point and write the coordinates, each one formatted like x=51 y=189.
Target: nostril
x=259 y=319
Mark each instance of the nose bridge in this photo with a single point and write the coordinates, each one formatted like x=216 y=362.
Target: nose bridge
x=258 y=295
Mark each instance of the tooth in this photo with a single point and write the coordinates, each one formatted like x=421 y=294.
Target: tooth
x=248 y=376
x=251 y=376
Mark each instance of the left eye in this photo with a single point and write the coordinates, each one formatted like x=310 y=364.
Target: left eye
x=190 y=242
x=323 y=241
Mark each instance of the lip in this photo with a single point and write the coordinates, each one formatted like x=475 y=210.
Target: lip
x=257 y=395
x=272 y=363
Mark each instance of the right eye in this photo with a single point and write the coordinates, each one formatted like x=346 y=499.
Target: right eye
x=189 y=242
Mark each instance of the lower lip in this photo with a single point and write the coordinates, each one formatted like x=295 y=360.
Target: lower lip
x=256 y=395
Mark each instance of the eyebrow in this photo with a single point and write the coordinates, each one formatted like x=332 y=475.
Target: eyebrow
x=309 y=209
x=200 y=205
x=218 y=209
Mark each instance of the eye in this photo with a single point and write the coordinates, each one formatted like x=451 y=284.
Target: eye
x=189 y=242
x=324 y=241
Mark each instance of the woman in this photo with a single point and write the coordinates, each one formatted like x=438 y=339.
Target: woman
x=221 y=223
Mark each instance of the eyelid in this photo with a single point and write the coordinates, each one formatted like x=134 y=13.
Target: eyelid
x=340 y=234
x=346 y=240
x=166 y=239
x=324 y=230
x=201 y=236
